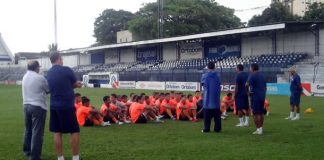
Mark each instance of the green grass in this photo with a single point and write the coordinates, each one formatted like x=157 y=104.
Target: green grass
x=282 y=139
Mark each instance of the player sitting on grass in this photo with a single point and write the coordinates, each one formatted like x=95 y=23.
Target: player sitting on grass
x=227 y=104
x=197 y=97
x=77 y=101
x=140 y=113
x=158 y=102
x=184 y=110
x=192 y=107
x=166 y=108
x=88 y=116
x=124 y=109
x=110 y=112
x=151 y=104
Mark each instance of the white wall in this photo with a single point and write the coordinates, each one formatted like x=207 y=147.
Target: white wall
x=84 y=59
x=111 y=56
x=169 y=51
x=45 y=63
x=70 y=60
x=255 y=46
x=127 y=55
x=321 y=50
x=296 y=42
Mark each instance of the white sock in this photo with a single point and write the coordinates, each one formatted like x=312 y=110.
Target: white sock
x=292 y=114
x=77 y=157
x=60 y=158
x=260 y=129
x=297 y=115
x=247 y=119
x=241 y=120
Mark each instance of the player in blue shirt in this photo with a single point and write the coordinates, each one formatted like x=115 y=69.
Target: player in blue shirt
x=257 y=88
x=241 y=96
x=61 y=82
x=296 y=90
x=211 y=101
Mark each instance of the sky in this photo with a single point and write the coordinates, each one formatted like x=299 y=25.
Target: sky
x=28 y=25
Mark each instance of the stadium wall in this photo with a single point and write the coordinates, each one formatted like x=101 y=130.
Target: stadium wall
x=111 y=56
x=70 y=60
x=321 y=42
x=169 y=51
x=296 y=42
x=252 y=46
x=127 y=55
x=84 y=59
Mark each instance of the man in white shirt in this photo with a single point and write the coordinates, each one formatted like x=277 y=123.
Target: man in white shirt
x=34 y=90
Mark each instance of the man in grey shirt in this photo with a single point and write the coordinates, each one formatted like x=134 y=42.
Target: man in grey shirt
x=34 y=90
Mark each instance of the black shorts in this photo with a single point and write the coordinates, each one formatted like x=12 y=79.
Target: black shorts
x=242 y=102
x=183 y=118
x=294 y=99
x=88 y=123
x=64 y=121
x=107 y=118
x=257 y=106
x=141 y=119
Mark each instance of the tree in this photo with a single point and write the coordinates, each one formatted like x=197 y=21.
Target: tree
x=276 y=13
x=52 y=47
x=109 y=23
x=315 y=12
x=183 y=17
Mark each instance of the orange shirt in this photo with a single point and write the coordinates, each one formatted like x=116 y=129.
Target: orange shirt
x=163 y=106
x=136 y=110
x=173 y=103
x=228 y=101
x=189 y=104
x=77 y=105
x=82 y=113
x=179 y=109
x=103 y=109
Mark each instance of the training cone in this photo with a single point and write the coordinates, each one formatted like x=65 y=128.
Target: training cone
x=309 y=110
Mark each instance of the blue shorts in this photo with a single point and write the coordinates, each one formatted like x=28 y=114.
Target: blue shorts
x=63 y=121
x=295 y=99
x=257 y=106
x=242 y=102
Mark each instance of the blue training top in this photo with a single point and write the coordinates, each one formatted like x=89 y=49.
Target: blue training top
x=241 y=80
x=61 y=81
x=212 y=90
x=258 y=85
x=295 y=85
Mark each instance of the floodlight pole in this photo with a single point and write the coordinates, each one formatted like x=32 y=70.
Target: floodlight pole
x=55 y=24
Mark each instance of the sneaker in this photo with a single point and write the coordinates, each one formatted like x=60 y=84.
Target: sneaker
x=120 y=123
x=246 y=124
x=257 y=132
x=295 y=118
x=127 y=122
x=240 y=125
x=204 y=131
x=223 y=118
x=289 y=118
x=104 y=124
x=194 y=120
x=268 y=113
x=161 y=116
x=173 y=118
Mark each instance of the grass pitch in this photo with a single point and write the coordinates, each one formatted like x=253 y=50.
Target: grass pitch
x=282 y=139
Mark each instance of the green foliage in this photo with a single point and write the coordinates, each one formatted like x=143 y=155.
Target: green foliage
x=183 y=17
x=52 y=47
x=109 y=23
x=282 y=139
x=315 y=12
x=276 y=13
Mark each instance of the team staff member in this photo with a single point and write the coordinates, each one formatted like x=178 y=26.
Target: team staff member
x=296 y=90
x=34 y=90
x=62 y=81
x=241 y=96
x=257 y=88
x=211 y=104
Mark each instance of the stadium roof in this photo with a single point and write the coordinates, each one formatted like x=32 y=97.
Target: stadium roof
x=5 y=53
x=253 y=29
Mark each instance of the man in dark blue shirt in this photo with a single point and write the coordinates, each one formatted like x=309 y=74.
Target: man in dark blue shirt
x=211 y=101
x=61 y=82
x=241 y=96
x=257 y=88
x=296 y=90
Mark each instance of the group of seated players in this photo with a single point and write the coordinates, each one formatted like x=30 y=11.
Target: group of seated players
x=120 y=109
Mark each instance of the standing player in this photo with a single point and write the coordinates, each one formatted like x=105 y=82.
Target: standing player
x=211 y=83
x=257 y=87
x=241 y=96
x=296 y=90
x=61 y=82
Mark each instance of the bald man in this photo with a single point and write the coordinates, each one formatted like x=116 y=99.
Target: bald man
x=34 y=90
x=296 y=90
